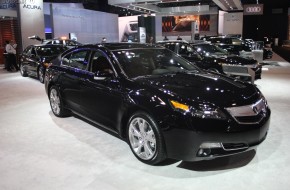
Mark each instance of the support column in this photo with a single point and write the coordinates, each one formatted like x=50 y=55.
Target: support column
x=31 y=20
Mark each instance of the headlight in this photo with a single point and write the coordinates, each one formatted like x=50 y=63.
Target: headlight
x=204 y=111
x=179 y=106
x=46 y=65
x=207 y=111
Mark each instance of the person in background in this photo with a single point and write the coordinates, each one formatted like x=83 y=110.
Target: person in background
x=11 y=56
x=104 y=40
x=151 y=40
x=5 y=54
x=179 y=38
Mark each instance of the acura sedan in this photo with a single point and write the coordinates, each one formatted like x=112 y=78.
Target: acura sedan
x=160 y=103
x=200 y=54
x=35 y=59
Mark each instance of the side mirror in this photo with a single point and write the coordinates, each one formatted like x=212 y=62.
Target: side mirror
x=102 y=75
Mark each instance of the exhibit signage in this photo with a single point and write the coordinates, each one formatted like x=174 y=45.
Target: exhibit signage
x=142 y=34
x=30 y=4
x=8 y=4
x=253 y=9
x=31 y=19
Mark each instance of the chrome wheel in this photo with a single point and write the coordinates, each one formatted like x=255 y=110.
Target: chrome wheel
x=22 y=71
x=142 y=138
x=54 y=101
x=40 y=75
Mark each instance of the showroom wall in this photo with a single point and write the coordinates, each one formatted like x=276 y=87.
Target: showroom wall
x=89 y=26
x=272 y=23
x=233 y=23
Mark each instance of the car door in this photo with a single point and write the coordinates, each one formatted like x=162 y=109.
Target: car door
x=102 y=94
x=24 y=57
x=33 y=61
x=75 y=65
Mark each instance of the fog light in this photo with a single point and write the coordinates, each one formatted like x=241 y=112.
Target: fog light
x=204 y=152
x=210 y=145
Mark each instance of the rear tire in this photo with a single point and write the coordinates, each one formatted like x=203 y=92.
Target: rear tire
x=145 y=139
x=56 y=103
x=23 y=71
x=40 y=74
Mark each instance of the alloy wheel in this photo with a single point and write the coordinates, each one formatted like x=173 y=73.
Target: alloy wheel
x=55 y=101
x=142 y=138
x=40 y=75
x=22 y=71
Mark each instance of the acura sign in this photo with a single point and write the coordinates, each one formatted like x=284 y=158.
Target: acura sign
x=253 y=9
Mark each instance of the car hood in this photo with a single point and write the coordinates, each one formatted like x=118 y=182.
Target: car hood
x=203 y=87
x=232 y=59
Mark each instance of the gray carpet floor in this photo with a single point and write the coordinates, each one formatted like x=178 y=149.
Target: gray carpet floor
x=39 y=151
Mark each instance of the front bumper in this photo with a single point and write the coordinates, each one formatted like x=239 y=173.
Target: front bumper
x=192 y=140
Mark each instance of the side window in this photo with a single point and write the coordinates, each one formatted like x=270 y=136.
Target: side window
x=100 y=63
x=76 y=60
x=183 y=49
x=33 y=52
x=27 y=50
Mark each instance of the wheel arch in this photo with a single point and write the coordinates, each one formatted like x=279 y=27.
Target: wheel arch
x=126 y=116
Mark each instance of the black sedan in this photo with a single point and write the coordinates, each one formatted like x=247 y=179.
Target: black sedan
x=211 y=57
x=217 y=54
x=35 y=59
x=163 y=105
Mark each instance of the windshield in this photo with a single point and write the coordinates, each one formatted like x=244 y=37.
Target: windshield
x=141 y=62
x=208 y=48
x=50 y=51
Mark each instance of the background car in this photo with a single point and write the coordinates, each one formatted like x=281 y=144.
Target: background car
x=160 y=103
x=239 y=47
x=222 y=56
x=210 y=57
x=36 y=58
x=65 y=42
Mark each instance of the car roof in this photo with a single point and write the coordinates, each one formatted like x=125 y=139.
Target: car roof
x=48 y=45
x=124 y=45
x=172 y=41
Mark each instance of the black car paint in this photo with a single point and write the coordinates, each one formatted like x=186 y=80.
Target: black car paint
x=211 y=61
x=32 y=62
x=110 y=102
x=228 y=58
x=236 y=45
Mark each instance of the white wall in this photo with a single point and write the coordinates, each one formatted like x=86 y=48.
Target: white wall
x=89 y=26
x=233 y=23
x=221 y=22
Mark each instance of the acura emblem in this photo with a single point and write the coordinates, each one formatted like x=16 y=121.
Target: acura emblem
x=255 y=109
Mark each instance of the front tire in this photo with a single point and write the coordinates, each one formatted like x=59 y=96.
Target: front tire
x=56 y=103
x=40 y=74
x=145 y=139
x=23 y=71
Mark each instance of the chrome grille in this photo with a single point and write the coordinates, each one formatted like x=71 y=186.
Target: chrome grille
x=249 y=114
